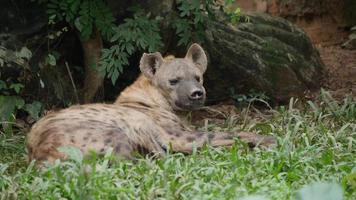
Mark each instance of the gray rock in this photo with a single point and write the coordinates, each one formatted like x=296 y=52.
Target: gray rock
x=264 y=53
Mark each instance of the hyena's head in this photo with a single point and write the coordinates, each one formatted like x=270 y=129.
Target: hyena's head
x=179 y=79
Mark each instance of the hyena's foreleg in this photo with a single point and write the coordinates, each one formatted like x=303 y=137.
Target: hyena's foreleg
x=184 y=141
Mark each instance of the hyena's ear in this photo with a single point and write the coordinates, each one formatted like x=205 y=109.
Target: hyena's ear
x=197 y=55
x=149 y=63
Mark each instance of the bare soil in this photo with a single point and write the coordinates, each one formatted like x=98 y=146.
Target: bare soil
x=340 y=77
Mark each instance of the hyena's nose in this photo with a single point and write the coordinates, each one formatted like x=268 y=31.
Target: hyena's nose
x=196 y=95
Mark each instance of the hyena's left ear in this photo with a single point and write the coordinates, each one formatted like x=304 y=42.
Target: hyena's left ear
x=149 y=63
x=197 y=55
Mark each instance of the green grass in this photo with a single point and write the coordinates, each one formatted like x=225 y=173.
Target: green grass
x=317 y=143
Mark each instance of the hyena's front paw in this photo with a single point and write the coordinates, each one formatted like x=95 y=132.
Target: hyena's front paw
x=256 y=140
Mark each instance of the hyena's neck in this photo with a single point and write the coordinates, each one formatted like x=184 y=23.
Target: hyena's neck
x=143 y=94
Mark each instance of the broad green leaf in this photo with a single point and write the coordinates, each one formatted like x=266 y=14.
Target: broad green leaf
x=2 y=85
x=34 y=109
x=254 y=197
x=73 y=153
x=19 y=102
x=8 y=105
x=51 y=60
x=78 y=24
x=25 y=53
x=2 y=62
x=17 y=87
x=320 y=191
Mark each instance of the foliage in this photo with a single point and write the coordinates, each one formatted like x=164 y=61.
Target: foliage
x=253 y=96
x=314 y=149
x=192 y=22
x=138 y=32
x=141 y=33
x=135 y=34
x=233 y=13
x=84 y=15
x=10 y=89
x=321 y=191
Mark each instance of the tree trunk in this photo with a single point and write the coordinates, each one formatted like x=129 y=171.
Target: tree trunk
x=92 y=51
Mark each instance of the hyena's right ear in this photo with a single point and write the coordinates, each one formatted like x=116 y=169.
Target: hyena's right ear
x=149 y=63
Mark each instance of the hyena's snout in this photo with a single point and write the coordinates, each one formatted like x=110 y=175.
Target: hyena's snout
x=191 y=96
x=197 y=94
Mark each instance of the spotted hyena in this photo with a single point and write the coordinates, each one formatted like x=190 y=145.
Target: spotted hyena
x=142 y=119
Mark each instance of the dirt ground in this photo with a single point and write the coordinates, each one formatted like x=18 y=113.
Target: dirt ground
x=340 y=77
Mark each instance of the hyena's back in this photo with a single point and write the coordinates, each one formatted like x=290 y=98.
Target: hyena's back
x=94 y=127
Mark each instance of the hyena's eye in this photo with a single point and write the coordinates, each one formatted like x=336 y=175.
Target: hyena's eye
x=173 y=81
x=197 y=78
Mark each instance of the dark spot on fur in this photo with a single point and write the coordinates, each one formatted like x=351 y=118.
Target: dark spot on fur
x=85 y=138
x=127 y=147
x=111 y=127
x=117 y=148
x=72 y=140
x=142 y=150
x=211 y=136
x=94 y=140
x=102 y=150
x=94 y=121
x=228 y=137
x=94 y=109
x=56 y=120
x=84 y=145
x=41 y=158
x=251 y=144
x=200 y=134
x=177 y=134
x=105 y=110
x=169 y=132
x=107 y=141
x=44 y=135
x=190 y=139
x=86 y=115
x=111 y=133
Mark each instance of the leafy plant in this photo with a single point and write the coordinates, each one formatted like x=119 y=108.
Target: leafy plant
x=193 y=18
x=310 y=151
x=320 y=191
x=135 y=34
x=10 y=90
x=251 y=97
x=84 y=15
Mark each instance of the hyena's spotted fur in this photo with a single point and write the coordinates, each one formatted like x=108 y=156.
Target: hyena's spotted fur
x=141 y=120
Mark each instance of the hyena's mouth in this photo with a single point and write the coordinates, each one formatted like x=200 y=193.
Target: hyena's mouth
x=189 y=105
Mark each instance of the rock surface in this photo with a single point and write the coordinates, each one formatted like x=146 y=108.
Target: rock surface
x=264 y=53
x=325 y=21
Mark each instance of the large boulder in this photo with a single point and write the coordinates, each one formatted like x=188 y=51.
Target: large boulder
x=264 y=53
